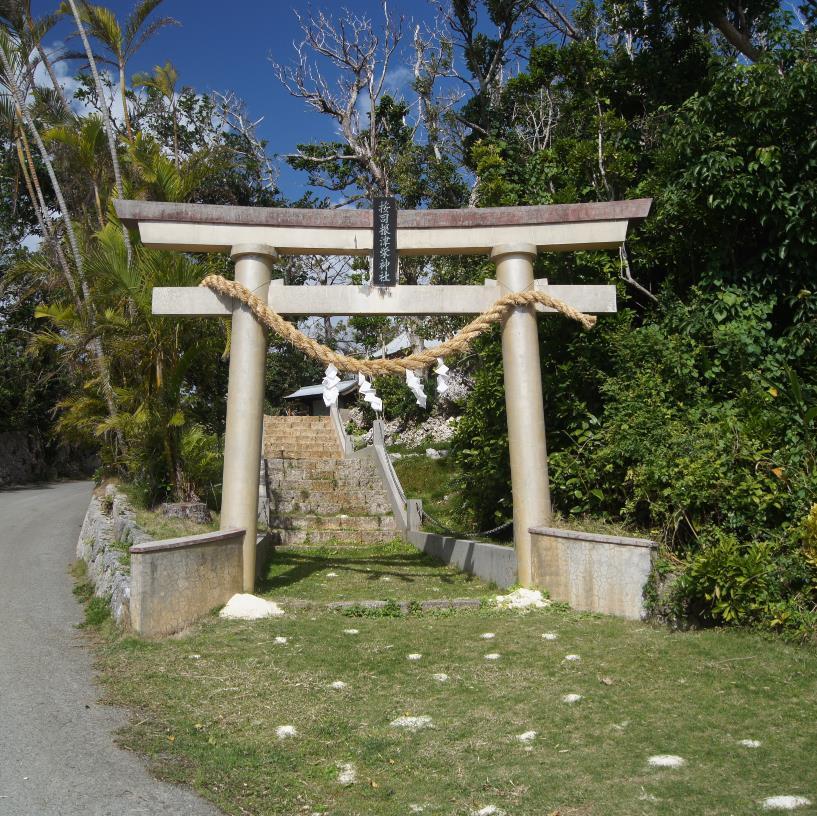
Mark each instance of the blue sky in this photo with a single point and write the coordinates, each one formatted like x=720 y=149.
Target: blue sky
x=226 y=46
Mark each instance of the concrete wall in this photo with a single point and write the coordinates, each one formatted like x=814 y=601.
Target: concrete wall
x=490 y=562
x=594 y=573
x=176 y=581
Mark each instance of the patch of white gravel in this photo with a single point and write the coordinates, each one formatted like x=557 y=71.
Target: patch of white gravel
x=749 y=743
x=347 y=775
x=572 y=658
x=243 y=606
x=413 y=656
x=666 y=761
x=412 y=723
x=492 y=656
x=487 y=635
x=488 y=810
x=351 y=631
x=571 y=698
x=281 y=640
x=337 y=685
x=286 y=731
x=785 y=802
x=522 y=599
x=550 y=636
x=441 y=677
x=526 y=736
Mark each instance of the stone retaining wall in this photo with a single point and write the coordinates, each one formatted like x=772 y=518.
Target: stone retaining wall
x=490 y=562
x=168 y=584
x=592 y=572
x=25 y=457
x=110 y=522
x=178 y=580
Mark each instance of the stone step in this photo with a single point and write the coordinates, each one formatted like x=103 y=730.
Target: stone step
x=302 y=421
x=343 y=522
x=297 y=481
x=292 y=538
x=290 y=441
x=325 y=504
x=296 y=455
x=307 y=447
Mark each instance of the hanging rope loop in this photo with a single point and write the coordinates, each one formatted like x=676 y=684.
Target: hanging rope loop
x=415 y=362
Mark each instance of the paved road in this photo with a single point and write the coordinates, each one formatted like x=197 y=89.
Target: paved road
x=57 y=752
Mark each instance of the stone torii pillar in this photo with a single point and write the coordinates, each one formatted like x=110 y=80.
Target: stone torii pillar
x=254 y=237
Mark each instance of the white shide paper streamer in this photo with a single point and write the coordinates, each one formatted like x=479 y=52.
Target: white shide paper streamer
x=369 y=395
x=415 y=384
x=442 y=376
x=330 y=385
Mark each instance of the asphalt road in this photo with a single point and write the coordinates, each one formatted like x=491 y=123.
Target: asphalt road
x=57 y=751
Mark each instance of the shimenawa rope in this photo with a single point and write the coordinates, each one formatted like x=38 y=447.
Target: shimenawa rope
x=415 y=362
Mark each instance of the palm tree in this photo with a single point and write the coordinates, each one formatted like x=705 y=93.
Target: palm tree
x=117 y=172
x=85 y=139
x=164 y=81
x=123 y=44
x=9 y=58
x=17 y=15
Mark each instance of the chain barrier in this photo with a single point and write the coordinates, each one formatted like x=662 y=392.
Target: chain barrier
x=485 y=533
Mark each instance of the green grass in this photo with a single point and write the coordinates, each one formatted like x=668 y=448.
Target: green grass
x=395 y=571
x=159 y=526
x=433 y=481
x=97 y=610
x=206 y=708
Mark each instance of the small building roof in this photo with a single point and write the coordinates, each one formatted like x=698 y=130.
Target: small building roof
x=403 y=342
x=344 y=387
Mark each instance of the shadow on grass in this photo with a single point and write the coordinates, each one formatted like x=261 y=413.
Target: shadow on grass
x=300 y=566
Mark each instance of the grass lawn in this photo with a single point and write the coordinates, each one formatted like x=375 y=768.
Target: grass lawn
x=206 y=707
x=392 y=571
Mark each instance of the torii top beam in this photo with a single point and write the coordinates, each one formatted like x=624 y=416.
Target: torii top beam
x=217 y=228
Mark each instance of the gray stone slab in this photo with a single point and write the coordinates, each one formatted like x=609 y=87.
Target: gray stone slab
x=490 y=562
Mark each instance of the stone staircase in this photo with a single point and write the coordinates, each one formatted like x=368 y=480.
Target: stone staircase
x=310 y=494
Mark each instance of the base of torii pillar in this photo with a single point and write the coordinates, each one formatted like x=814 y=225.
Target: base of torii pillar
x=523 y=405
x=245 y=405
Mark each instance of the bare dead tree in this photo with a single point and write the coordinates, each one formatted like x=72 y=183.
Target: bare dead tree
x=232 y=111
x=484 y=58
x=536 y=119
x=434 y=62
x=557 y=19
x=360 y=54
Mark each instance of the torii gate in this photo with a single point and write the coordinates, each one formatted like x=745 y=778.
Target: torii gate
x=255 y=237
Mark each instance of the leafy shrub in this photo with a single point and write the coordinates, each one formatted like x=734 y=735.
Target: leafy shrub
x=202 y=458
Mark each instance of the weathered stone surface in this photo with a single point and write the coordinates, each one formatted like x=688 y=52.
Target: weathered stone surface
x=21 y=458
x=177 y=581
x=110 y=521
x=591 y=572
x=309 y=492
x=24 y=458
x=195 y=511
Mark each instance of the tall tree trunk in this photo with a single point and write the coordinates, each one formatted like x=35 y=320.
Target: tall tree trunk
x=123 y=91
x=41 y=210
x=106 y=118
x=96 y=345
x=49 y=68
